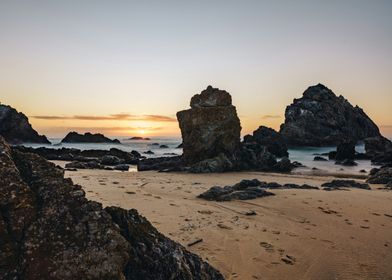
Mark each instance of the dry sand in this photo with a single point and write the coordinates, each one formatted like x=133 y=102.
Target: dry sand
x=297 y=234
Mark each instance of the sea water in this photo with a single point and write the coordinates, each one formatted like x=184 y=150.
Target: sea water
x=304 y=155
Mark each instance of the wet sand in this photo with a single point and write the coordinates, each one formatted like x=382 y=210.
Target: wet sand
x=297 y=234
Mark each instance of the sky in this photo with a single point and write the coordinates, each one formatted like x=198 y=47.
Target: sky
x=124 y=68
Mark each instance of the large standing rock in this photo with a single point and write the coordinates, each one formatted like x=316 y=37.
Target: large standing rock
x=268 y=137
x=345 y=150
x=49 y=230
x=210 y=127
x=15 y=127
x=74 y=137
x=320 y=118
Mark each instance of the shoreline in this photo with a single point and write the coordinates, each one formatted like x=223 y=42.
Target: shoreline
x=319 y=230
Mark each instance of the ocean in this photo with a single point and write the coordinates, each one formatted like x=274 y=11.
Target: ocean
x=303 y=155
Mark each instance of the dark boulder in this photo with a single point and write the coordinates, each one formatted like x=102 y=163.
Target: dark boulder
x=82 y=156
x=380 y=176
x=210 y=127
x=379 y=149
x=339 y=184
x=49 y=230
x=16 y=129
x=268 y=137
x=228 y=193
x=175 y=163
x=74 y=137
x=320 y=118
x=318 y=158
x=93 y=164
x=121 y=167
x=247 y=189
x=345 y=150
x=110 y=160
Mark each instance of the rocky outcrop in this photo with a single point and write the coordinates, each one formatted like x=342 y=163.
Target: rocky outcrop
x=248 y=189
x=345 y=150
x=379 y=150
x=16 y=129
x=269 y=138
x=175 y=163
x=211 y=138
x=320 y=118
x=49 y=230
x=90 y=159
x=210 y=127
x=74 y=137
x=139 y=138
x=342 y=184
x=380 y=176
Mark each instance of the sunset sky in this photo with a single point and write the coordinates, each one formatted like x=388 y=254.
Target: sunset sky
x=124 y=68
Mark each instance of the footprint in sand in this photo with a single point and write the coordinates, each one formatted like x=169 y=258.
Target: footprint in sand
x=207 y=212
x=288 y=260
x=130 y=192
x=223 y=226
x=268 y=247
x=115 y=183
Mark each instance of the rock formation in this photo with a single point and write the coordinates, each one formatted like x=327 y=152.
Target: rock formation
x=211 y=138
x=49 y=230
x=345 y=150
x=210 y=127
x=248 y=189
x=381 y=175
x=268 y=137
x=16 y=129
x=87 y=159
x=379 y=150
x=320 y=118
x=74 y=137
x=344 y=184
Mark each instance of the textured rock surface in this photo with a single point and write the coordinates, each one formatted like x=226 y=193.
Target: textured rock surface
x=380 y=176
x=379 y=149
x=15 y=127
x=270 y=138
x=345 y=150
x=338 y=184
x=175 y=163
x=49 y=230
x=247 y=189
x=211 y=138
x=79 y=157
x=320 y=118
x=74 y=137
x=210 y=127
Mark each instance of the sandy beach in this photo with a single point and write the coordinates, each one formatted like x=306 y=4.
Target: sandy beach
x=297 y=234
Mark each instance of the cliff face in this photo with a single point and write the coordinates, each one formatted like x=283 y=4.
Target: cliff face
x=320 y=118
x=49 y=230
x=15 y=127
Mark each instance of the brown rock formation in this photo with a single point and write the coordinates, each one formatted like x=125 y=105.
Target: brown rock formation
x=49 y=230
x=15 y=127
x=210 y=127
